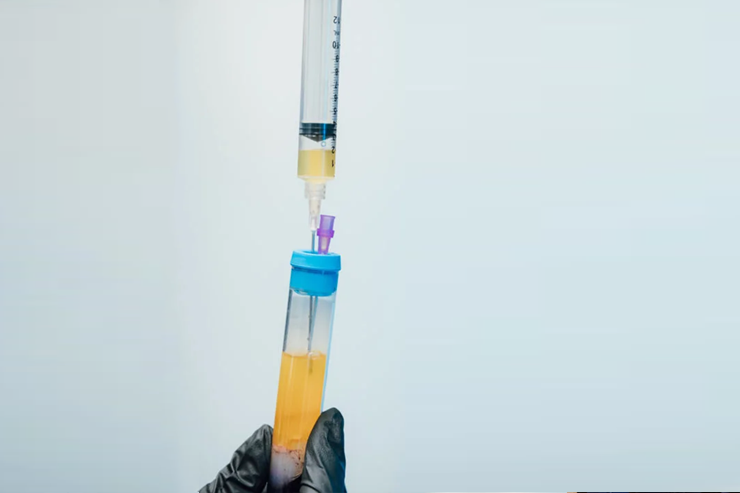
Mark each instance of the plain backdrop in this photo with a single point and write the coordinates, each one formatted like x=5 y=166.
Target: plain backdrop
x=537 y=206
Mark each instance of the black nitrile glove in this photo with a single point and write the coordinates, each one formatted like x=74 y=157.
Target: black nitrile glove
x=323 y=472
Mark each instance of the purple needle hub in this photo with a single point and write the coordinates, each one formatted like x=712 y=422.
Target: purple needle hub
x=325 y=233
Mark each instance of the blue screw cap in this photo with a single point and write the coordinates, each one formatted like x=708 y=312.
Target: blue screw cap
x=315 y=274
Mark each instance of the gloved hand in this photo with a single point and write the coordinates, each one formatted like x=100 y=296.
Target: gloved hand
x=323 y=472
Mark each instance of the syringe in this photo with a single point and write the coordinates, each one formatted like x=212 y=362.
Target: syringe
x=319 y=98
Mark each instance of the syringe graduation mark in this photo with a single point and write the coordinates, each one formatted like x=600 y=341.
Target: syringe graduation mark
x=335 y=45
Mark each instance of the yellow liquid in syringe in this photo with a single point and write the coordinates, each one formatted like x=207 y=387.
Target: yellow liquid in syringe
x=316 y=164
x=300 y=393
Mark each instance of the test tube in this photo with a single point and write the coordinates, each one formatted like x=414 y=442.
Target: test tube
x=311 y=298
x=322 y=21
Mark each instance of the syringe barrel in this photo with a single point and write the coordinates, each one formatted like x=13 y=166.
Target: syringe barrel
x=319 y=90
x=303 y=370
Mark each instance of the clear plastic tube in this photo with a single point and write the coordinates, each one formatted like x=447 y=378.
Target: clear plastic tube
x=319 y=100
x=303 y=368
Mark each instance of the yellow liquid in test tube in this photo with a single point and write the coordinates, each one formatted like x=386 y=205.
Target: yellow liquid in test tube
x=316 y=164
x=300 y=393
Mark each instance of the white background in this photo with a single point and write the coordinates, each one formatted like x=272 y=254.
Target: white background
x=538 y=207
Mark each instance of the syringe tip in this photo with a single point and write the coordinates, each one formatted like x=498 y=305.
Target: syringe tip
x=315 y=193
x=313 y=215
x=325 y=233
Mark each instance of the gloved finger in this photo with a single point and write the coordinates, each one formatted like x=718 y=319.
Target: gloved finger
x=249 y=467
x=325 y=463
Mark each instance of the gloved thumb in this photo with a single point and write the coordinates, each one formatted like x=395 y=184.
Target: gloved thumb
x=325 y=463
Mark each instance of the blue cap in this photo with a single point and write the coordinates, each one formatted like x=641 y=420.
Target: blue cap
x=314 y=274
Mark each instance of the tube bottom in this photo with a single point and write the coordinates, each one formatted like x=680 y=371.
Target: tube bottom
x=286 y=467
x=300 y=393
